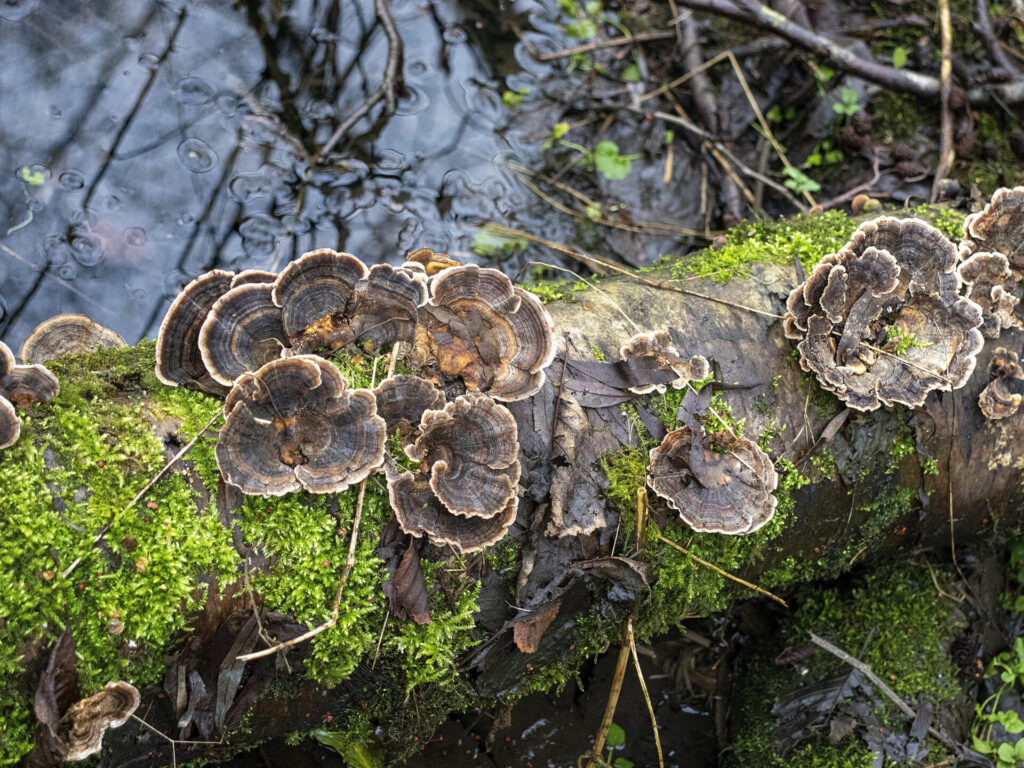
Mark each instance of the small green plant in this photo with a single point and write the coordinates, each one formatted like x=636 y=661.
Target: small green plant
x=899 y=56
x=1009 y=665
x=848 y=103
x=904 y=341
x=490 y=240
x=798 y=181
x=605 y=158
x=616 y=740
x=512 y=99
x=35 y=178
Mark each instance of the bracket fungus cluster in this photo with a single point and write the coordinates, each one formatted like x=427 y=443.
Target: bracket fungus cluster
x=1002 y=397
x=992 y=250
x=882 y=321
x=21 y=386
x=651 y=361
x=67 y=335
x=294 y=424
x=464 y=491
x=90 y=718
x=718 y=482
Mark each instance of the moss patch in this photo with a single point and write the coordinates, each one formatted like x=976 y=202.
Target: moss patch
x=892 y=619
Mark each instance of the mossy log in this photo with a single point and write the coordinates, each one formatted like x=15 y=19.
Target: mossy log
x=144 y=603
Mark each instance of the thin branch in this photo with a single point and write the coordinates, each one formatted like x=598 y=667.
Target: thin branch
x=721 y=572
x=647 y=697
x=640 y=37
x=947 y=153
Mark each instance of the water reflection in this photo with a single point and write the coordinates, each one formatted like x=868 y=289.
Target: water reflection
x=164 y=139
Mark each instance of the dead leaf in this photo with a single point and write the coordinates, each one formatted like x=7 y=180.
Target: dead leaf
x=528 y=630
x=406 y=589
x=56 y=692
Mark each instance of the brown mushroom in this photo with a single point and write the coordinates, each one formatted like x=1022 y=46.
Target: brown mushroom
x=178 y=359
x=465 y=490
x=27 y=384
x=7 y=361
x=253 y=276
x=478 y=326
x=992 y=286
x=1002 y=397
x=401 y=401
x=10 y=427
x=999 y=228
x=67 y=335
x=242 y=332
x=329 y=300
x=652 y=361
x=429 y=261
x=882 y=321
x=293 y=424
x=90 y=718
x=719 y=483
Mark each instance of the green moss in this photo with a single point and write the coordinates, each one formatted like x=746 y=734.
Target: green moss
x=905 y=638
x=946 y=220
x=554 y=290
x=806 y=238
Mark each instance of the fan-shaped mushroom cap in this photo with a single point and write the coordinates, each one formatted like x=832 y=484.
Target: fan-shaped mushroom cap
x=252 y=277
x=315 y=287
x=178 y=359
x=24 y=385
x=91 y=717
x=429 y=261
x=7 y=361
x=882 y=322
x=242 y=332
x=420 y=513
x=401 y=401
x=10 y=427
x=385 y=306
x=1002 y=397
x=67 y=335
x=653 y=361
x=471 y=449
x=999 y=228
x=728 y=492
x=495 y=336
x=991 y=285
x=293 y=424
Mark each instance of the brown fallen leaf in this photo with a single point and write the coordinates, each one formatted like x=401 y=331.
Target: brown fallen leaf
x=528 y=631
x=406 y=589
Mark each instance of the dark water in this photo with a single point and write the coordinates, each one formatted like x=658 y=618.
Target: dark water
x=162 y=139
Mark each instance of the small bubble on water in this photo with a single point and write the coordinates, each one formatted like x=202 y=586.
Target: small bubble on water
x=193 y=92
x=54 y=112
x=196 y=155
x=135 y=236
x=87 y=249
x=55 y=249
x=149 y=61
x=72 y=181
x=455 y=34
x=68 y=272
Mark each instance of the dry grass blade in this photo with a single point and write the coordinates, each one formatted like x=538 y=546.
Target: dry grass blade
x=647 y=698
x=722 y=572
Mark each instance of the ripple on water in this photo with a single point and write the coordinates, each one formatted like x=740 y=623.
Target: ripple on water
x=193 y=92
x=72 y=181
x=87 y=248
x=135 y=236
x=196 y=155
x=249 y=186
x=149 y=61
x=414 y=102
x=391 y=162
x=16 y=10
x=68 y=272
x=259 y=235
x=455 y=34
x=55 y=249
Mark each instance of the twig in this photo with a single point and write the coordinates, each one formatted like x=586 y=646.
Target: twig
x=721 y=572
x=866 y=670
x=639 y=37
x=647 y=696
x=146 y=489
x=845 y=59
x=350 y=560
x=173 y=742
x=947 y=153
x=393 y=68
x=984 y=27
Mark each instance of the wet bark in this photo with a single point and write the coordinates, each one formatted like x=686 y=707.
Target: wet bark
x=975 y=480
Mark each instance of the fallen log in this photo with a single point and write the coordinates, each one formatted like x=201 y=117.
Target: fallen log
x=142 y=599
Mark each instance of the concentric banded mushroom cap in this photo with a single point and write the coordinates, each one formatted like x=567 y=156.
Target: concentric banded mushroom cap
x=178 y=359
x=90 y=718
x=1002 y=397
x=312 y=290
x=401 y=401
x=293 y=424
x=253 y=277
x=242 y=332
x=420 y=513
x=882 y=321
x=67 y=335
x=992 y=286
x=728 y=492
x=24 y=385
x=497 y=337
x=471 y=448
x=385 y=306
x=654 y=361
x=999 y=228
x=7 y=361
x=429 y=261
x=10 y=427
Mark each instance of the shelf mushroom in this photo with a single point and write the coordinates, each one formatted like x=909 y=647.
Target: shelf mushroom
x=465 y=491
x=90 y=718
x=21 y=386
x=993 y=287
x=998 y=228
x=330 y=300
x=718 y=482
x=294 y=424
x=67 y=335
x=178 y=359
x=652 y=361
x=497 y=337
x=882 y=321
x=243 y=331
x=401 y=401
x=1003 y=395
